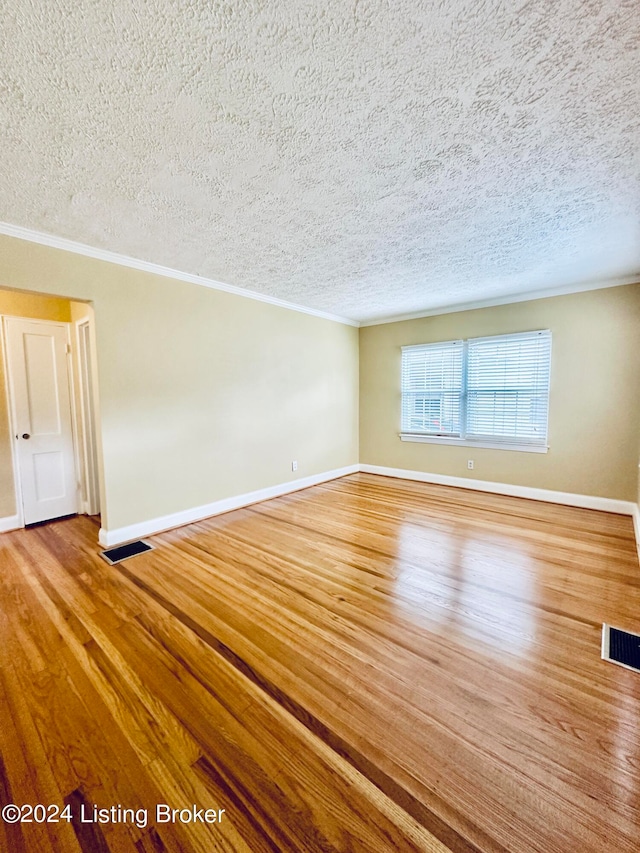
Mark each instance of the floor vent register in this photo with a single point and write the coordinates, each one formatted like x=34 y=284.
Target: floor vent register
x=621 y=647
x=123 y=552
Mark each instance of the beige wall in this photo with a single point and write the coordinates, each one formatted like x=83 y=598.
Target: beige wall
x=20 y=305
x=594 y=413
x=204 y=395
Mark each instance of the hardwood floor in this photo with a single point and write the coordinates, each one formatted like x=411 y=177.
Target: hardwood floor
x=368 y=665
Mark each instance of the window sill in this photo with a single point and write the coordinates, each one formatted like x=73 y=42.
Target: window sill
x=463 y=442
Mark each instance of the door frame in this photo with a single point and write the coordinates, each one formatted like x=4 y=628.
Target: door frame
x=88 y=467
x=10 y=392
x=17 y=519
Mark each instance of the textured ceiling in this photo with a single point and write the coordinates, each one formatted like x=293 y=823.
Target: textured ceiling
x=365 y=158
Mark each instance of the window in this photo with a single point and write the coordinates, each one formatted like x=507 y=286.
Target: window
x=484 y=390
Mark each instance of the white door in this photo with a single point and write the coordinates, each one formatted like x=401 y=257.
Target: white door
x=39 y=380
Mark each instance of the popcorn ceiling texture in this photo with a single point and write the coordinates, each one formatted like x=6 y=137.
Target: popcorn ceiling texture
x=364 y=158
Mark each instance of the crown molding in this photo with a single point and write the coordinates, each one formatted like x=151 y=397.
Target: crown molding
x=564 y=290
x=66 y=245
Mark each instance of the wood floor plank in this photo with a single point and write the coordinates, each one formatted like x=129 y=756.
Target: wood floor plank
x=263 y=742
x=68 y=732
x=30 y=775
x=389 y=693
x=370 y=664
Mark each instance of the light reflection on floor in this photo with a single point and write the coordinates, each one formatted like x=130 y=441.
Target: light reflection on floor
x=447 y=578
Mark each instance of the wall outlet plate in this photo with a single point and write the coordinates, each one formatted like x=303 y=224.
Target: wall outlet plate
x=294 y=465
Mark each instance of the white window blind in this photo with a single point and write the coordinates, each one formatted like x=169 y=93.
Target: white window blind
x=485 y=389
x=432 y=388
x=508 y=387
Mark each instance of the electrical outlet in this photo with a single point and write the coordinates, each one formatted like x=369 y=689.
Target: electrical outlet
x=470 y=464
x=294 y=465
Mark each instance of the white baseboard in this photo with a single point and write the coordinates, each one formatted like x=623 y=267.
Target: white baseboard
x=108 y=538
x=10 y=522
x=584 y=501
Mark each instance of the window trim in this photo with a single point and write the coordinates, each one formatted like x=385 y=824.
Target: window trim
x=482 y=441
x=466 y=442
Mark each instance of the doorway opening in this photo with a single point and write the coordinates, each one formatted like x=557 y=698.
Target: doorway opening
x=49 y=442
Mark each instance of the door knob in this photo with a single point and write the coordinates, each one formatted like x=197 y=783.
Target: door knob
x=26 y=435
